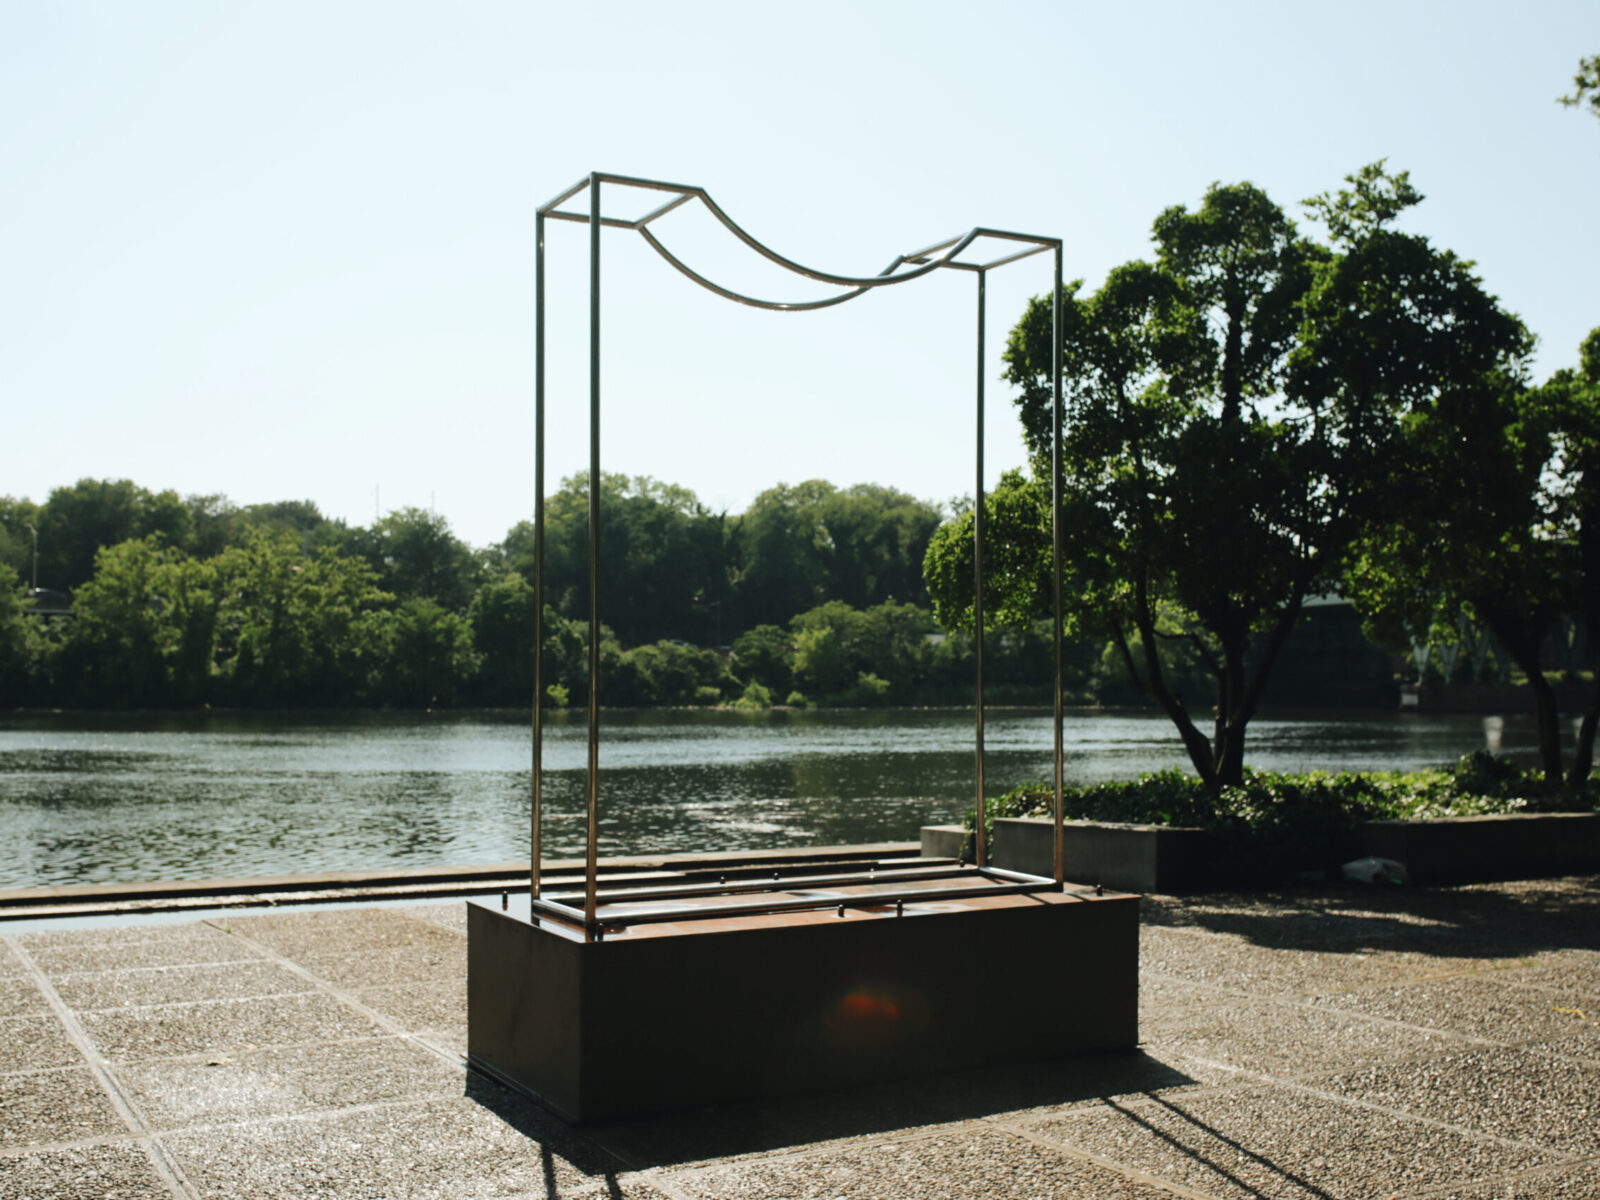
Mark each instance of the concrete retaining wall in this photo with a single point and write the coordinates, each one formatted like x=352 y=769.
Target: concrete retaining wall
x=1460 y=849
x=1130 y=858
x=1164 y=858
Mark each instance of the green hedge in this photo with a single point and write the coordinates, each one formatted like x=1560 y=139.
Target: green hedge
x=1291 y=822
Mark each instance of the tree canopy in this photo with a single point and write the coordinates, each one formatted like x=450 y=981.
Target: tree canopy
x=1231 y=412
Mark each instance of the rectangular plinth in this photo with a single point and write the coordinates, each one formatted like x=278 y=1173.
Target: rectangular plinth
x=671 y=1015
x=1140 y=858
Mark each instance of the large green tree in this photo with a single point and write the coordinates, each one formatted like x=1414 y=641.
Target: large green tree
x=662 y=566
x=1496 y=509
x=1231 y=413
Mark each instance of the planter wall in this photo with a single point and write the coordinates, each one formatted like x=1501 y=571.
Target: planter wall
x=669 y=1016
x=1162 y=858
x=1462 y=849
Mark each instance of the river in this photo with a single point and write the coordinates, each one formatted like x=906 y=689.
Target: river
x=102 y=798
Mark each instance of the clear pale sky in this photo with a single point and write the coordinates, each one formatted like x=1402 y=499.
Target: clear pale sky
x=285 y=250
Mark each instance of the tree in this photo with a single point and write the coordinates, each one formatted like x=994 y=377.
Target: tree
x=144 y=628
x=16 y=649
x=414 y=554
x=1586 y=85
x=662 y=565
x=799 y=545
x=1497 y=503
x=1231 y=412
x=76 y=522
x=297 y=629
x=427 y=654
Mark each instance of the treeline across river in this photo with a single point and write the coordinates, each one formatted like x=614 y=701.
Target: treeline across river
x=813 y=595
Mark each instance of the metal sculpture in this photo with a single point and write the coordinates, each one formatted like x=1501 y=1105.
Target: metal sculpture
x=888 y=886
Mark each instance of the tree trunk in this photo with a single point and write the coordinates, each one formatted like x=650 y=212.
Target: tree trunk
x=1156 y=684
x=1583 y=753
x=1523 y=645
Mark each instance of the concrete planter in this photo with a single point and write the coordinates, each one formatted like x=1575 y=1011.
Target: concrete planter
x=668 y=1016
x=1134 y=858
x=1163 y=858
x=1463 y=849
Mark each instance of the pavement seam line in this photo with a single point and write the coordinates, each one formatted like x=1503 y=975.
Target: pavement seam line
x=344 y=997
x=100 y=1067
x=1476 y=1135
x=662 y=1181
x=1140 y=1177
x=1530 y=1174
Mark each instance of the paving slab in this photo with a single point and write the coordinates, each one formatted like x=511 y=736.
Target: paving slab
x=1481 y=1005
x=77 y=1173
x=1324 y=1042
x=1570 y=1181
x=348 y=930
x=138 y=986
x=134 y=946
x=223 y=1026
x=42 y=1108
x=21 y=997
x=1285 y=1039
x=249 y=1085
x=451 y=1149
x=956 y=1165
x=1524 y=1094
x=423 y=1006
x=1236 y=964
x=1264 y=1140
x=34 y=1043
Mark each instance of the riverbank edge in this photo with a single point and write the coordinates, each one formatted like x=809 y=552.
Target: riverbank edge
x=403 y=883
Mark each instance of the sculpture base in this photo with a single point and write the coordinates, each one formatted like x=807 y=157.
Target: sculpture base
x=670 y=1015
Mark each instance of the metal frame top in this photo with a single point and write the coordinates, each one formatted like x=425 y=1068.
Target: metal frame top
x=942 y=255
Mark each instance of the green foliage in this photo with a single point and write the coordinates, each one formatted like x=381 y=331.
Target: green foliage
x=426 y=653
x=414 y=554
x=664 y=674
x=797 y=700
x=800 y=545
x=16 y=648
x=1276 y=823
x=1586 y=85
x=754 y=696
x=662 y=569
x=1231 y=416
x=1496 y=511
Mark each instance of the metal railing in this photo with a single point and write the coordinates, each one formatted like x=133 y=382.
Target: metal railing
x=942 y=255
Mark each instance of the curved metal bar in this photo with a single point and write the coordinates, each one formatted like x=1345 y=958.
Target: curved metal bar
x=739 y=297
x=865 y=281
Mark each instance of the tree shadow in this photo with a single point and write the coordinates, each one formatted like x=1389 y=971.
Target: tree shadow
x=766 y=1124
x=1502 y=920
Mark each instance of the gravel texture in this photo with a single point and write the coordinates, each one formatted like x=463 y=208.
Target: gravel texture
x=223 y=1026
x=957 y=1165
x=1263 y=1140
x=88 y=991
x=31 y=1043
x=1525 y=1094
x=294 y=1080
x=45 y=1107
x=1328 y=1042
x=79 y=1173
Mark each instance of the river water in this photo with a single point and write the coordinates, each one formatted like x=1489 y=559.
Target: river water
x=102 y=798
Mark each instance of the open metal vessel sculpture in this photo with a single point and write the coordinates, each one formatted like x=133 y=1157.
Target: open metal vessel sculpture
x=609 y=999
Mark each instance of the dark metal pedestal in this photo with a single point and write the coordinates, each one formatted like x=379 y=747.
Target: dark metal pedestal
x=661 y=1016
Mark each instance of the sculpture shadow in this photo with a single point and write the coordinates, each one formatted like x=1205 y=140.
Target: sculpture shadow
x=763 y=1125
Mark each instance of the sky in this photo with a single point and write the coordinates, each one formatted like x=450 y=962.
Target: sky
x=285 y=250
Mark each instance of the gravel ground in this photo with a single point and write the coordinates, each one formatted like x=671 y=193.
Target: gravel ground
x=1329 y=1042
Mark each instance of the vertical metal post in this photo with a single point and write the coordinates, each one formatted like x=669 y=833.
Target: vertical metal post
x=1055 y=547
x=981 y=842
x=538 y=556
x=591 y=867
